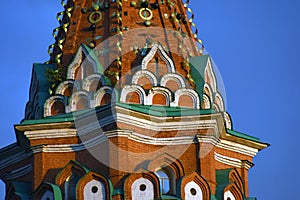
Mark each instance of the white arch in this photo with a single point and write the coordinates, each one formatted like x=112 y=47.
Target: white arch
x=94 y=190
x=162 y=53
x=229 y=195
x=209 y=76
x=228 y=121
x=219 y=101
x=65 y=84
x=206 y=103
x=175 y=77
x=102 y=91
x=132 y=88
x=210 y=93
x=193 y=191
x=76 y=96
x=78 y=61
x=144 y=73
x=90 y=79
x=159 y=90
x=49 y=103
x=142 y=189
x=189 y=92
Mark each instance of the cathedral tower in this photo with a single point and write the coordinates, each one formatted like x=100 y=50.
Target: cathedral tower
x=127 y=107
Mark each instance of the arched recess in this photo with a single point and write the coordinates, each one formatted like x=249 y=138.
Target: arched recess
x=68 y=178
x=133 y=94
x=208 y=91
x=94 y=186
x=84 y=64
x=93 y=82
x=192 y=102
x=235 y=177
x=173 y=82
x=228 y=121
x=159 y=96
x=219 y=101
x=48 y=191
x=209 y=76
x=105 y=96
x=194 y=186
x=206 y=104
x=233 y=192
x=170 y=166
x=80 y=100
x=54 y=105
x=163 y=55
x=66 y=88
x=144 y=78
x=141 y=186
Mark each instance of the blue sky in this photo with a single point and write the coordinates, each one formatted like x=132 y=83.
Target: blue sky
x=255 y=45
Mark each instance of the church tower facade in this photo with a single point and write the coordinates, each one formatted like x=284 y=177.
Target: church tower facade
x=127 y=107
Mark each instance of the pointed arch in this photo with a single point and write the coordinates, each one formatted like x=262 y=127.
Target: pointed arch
x=48 y=191
x=144 y=185
x=93 y=185
x=162 y=53
x=228 y=121
x=209 y=76
x=208 y=91
x=233 y=192
x=194 y=186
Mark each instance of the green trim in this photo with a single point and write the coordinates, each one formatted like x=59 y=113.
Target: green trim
x=164 y=111
x=118 y=191
x=56 y=191
x=212 y=197
x=242 y=135
x=169 y=197
x=250 y=198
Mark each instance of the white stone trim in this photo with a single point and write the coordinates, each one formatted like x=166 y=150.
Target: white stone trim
x=239 y=148
x=234 y=162
x=157 y=47
x=144 y=73
x=206 y=103
x=210 y=94
x=159 y=90
x=137 y=194
x=89 y=195
x=209 y=74
x=65 y=84
x=228 y=194
x=187 y=191
x=101 y=92
x=228 y=121
x=49 y=103
x=174 y=77
x=189 y=92
x=132 y=88
x=75 y=98
x=90 y=79
x=219 y=101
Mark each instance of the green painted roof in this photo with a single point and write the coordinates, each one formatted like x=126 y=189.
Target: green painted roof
x=242 y=135
x=169 y=197
x=198 y=65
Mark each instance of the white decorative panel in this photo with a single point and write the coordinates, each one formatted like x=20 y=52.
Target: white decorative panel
x=142 y=189
x=94 y=190
x=228 y=196
x=193 y=191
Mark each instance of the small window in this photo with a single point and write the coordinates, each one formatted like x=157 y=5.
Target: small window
x=164 y=181
x=125 y=13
